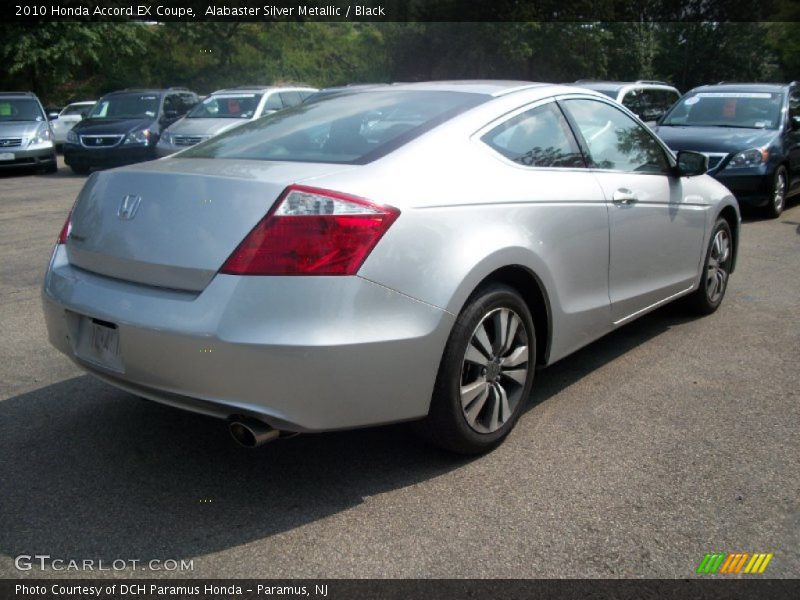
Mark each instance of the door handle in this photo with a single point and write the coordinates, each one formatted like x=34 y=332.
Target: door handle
x=624 y=196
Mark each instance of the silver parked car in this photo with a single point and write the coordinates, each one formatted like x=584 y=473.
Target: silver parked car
x=69 y=116
x=649 y=100
x=316 y=270
x=26 y=139
x=226 y=109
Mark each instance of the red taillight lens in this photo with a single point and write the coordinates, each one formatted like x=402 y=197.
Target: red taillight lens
x=62 y=237
x=312 y=232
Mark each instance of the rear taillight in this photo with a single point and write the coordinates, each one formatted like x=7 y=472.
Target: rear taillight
x=312 y=231
x=62 y=237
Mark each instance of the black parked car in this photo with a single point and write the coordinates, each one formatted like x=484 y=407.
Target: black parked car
x=750 y=133
x=124 y=127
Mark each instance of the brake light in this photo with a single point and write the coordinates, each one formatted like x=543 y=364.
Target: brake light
x=312 y=231
x=62 y=237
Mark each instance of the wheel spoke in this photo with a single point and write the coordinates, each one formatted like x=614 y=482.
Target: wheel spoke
x=484 y=345
x=518 y=375
x=517 y=357
x=513 y=325
x=475 y=409
x=474 y=355
x=713 y=282
x=505 y=409
x=494 y=420
x=471 y=391
x=501 y=318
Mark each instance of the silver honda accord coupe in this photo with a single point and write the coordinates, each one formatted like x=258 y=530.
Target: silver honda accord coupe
x=396 y=253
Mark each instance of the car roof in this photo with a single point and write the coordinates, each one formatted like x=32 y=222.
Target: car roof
x=486 y=87
x=18 y=94
x=742 y=87
x=86 y=102
x=261 y=88
x=615 y=86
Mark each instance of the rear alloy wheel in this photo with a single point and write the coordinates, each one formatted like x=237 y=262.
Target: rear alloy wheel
x=716 y=272
x=486 y=373
x=777 y=199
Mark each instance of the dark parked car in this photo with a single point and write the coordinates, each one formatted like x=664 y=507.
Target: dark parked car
x=647 y=99
x=26 y=139
x=124 y=127
x=751 y=135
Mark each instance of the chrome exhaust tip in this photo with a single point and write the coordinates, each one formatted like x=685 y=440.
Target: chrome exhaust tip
x=251 y=433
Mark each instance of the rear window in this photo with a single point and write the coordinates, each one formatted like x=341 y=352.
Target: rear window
x=352 y=128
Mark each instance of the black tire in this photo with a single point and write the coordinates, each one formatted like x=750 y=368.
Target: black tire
x=483 y=422
x=716 y=271
x=777 y=197
x=51 y=167
x=80 y=170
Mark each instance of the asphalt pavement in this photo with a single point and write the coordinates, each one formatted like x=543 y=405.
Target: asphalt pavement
x=670 y=438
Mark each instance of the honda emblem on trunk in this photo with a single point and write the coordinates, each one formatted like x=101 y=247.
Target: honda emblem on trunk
x=130 y=204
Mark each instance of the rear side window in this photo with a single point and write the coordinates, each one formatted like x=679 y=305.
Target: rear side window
x=273 y=102
x=539 y=137
x=290 y=98
x=352 y=128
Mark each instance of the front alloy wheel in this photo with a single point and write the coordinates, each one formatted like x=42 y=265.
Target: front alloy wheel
x=716 y=271
x=486 y=372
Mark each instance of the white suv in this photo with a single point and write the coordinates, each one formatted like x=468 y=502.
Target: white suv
x=647 y=99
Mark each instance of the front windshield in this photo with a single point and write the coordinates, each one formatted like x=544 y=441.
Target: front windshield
x=126 y=106
x=348 y=128
x=226 y=106
x=20 y=109
x=752 y=110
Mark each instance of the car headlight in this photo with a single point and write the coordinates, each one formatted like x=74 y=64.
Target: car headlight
x=749 y=158
x=141 y=137
x=42 y=137
x=72 y=137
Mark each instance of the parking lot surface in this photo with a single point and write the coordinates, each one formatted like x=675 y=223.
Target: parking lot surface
x=670 y=438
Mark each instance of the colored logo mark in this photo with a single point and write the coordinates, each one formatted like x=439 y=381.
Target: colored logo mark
x=741 y=562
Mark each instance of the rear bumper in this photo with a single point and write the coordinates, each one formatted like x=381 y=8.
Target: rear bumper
x=113 y=156
x=41 y=157
x=301 y=353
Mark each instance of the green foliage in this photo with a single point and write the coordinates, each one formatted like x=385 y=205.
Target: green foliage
x=66 y=61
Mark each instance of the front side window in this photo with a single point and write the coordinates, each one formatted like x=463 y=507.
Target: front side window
x=750 y=110
x=273 y=102
x=126 y=106
x=76 y=109
x=615 y=141
x=226 y=106
x=291 y=98
x=348 y=128
x=539 y=137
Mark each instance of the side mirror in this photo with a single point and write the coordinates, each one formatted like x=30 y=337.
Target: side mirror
x=796 y=122
x=691 y=164
x=52 y=116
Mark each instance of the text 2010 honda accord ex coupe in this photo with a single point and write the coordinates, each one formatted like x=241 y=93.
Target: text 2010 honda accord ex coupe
x=384 y=254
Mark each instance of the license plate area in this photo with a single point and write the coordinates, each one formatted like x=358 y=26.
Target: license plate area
x=7 y=156
x=98 y=343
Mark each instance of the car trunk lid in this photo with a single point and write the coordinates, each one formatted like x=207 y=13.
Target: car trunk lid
x=173 y=223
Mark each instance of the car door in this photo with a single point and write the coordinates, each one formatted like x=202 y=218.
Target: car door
x=564 y=213
x=656 y=223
